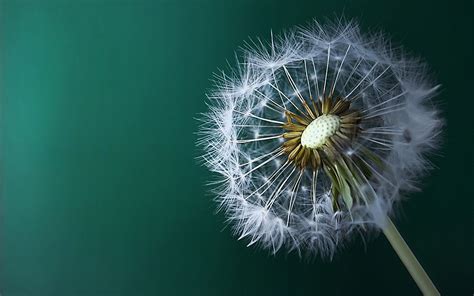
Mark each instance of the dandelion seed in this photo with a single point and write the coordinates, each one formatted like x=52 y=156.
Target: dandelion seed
x=336 y=126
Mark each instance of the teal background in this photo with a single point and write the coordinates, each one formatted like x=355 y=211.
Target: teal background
x=100 y=190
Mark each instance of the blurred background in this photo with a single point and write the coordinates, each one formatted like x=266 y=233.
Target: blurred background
x=101 y=193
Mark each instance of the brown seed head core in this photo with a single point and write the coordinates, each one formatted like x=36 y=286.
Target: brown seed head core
x=335 y=111
x=328 y=150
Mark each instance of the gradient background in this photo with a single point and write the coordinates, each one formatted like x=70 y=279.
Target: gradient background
x=100 y=190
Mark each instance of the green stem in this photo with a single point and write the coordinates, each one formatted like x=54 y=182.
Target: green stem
x=409 y=260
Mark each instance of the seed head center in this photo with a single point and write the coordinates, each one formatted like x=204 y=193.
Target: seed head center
x=319 y=130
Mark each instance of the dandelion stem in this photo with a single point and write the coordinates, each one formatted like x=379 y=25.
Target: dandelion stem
x=409 y=260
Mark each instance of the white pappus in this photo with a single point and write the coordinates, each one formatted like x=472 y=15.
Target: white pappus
x=314 y=135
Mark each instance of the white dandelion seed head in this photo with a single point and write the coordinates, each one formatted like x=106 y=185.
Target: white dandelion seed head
x=315 y=135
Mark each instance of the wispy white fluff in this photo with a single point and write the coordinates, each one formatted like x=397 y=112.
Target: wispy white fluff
x=268 y=200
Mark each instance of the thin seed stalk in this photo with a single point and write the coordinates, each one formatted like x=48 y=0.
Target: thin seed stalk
x=414 y=267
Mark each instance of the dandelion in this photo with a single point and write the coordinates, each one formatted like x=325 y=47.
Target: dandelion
x=315 y=135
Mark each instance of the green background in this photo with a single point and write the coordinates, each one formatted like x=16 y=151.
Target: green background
x=100 y=190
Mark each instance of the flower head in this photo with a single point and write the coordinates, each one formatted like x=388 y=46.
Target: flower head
x=316 y=135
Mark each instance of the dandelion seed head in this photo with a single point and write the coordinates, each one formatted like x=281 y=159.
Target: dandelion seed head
x=315 y=134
